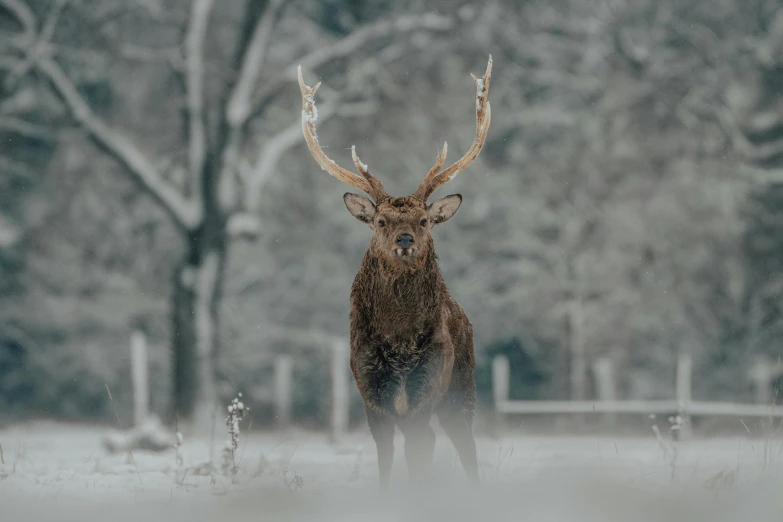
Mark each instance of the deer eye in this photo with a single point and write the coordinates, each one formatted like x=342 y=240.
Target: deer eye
x=423 y=222
x=381 y=223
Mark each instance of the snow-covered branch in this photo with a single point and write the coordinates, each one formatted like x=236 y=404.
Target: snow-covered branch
x=25 y=128
x=23 y=14
x=251 y=59
x=268 y=157
x=194 y=49
x=171 y=55
x=139 y=167
x=354 y=41
x=50 y=24
x=34 y=42
x=256 y=175
x=349 y=45
x=238 y=108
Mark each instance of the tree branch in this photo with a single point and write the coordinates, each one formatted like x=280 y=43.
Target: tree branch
x=25 y=128
x=250 y=56
x=50 y=24
x=38 y=46
x=269 y=155
x=244 y=223
x=194 y=49
x=139 y=167
x=171 y=55
x=238 y=108
x=23 y=14
x=354 y=41
x=17 y=167
x=256 y=176
x=755 y=153
x=348 y=45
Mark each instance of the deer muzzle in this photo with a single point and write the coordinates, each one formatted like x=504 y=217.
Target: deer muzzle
x=405 y=241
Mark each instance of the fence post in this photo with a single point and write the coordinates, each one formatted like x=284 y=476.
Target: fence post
x=605 y=386
x=283 y=389
x=682 y=390
x=578 y=364
x=501 y=375
x=340 y=390
x=139 y=377
x=761 y=375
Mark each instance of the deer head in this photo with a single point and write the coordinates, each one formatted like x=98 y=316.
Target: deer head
x=401 y=226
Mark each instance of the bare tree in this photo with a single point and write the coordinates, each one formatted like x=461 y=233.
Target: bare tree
x=754 y=119
x=219 y=200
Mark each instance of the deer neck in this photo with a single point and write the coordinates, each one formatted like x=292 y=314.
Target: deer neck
x=404 y=290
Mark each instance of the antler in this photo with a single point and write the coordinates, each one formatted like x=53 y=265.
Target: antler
x=368 y=183
x=434 y=179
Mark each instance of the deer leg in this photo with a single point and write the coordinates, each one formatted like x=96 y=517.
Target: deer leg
x=382 y=429
x=458 y=425
x=419 y=446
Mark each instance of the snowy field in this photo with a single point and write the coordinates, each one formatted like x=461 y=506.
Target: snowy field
x=59 y=472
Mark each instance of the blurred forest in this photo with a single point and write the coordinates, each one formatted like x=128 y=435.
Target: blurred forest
x=153 y=176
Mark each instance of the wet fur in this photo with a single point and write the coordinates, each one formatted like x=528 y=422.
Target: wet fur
x=411 y=349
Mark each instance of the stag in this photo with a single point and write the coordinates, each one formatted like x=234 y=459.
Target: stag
x=411 y=343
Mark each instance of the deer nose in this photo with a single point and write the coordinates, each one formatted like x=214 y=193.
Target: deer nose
x=405 y=240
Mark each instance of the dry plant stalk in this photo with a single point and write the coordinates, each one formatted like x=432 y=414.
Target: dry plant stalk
x=237 y=411
x=180 y=453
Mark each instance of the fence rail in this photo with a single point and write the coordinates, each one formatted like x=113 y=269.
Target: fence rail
x=662 y=407
x=761 y=375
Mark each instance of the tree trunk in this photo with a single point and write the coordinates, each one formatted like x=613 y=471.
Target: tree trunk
x=197 y=292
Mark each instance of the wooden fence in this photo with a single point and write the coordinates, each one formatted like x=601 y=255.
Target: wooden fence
x=762 y=374
x=280 y=393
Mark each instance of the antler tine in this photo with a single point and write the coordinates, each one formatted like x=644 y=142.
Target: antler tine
x=420 y=193
x=434 y=179
x=368 y=183
x=379 y=193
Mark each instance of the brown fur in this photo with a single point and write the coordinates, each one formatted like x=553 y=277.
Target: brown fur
x=411 y=343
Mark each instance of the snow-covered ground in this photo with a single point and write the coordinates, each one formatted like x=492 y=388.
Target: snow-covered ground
x=61 y=472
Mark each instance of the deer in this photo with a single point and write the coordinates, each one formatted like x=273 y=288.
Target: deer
x=411 y=344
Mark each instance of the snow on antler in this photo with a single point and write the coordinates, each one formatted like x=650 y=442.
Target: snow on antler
x=367 y=183
x=435 y=177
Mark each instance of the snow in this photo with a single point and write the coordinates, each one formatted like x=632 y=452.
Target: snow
x=60 y=472
x=356 y=158
x=310 y=115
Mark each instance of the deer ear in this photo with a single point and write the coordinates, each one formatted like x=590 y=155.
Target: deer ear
x=360 y=207
x=443 y=209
